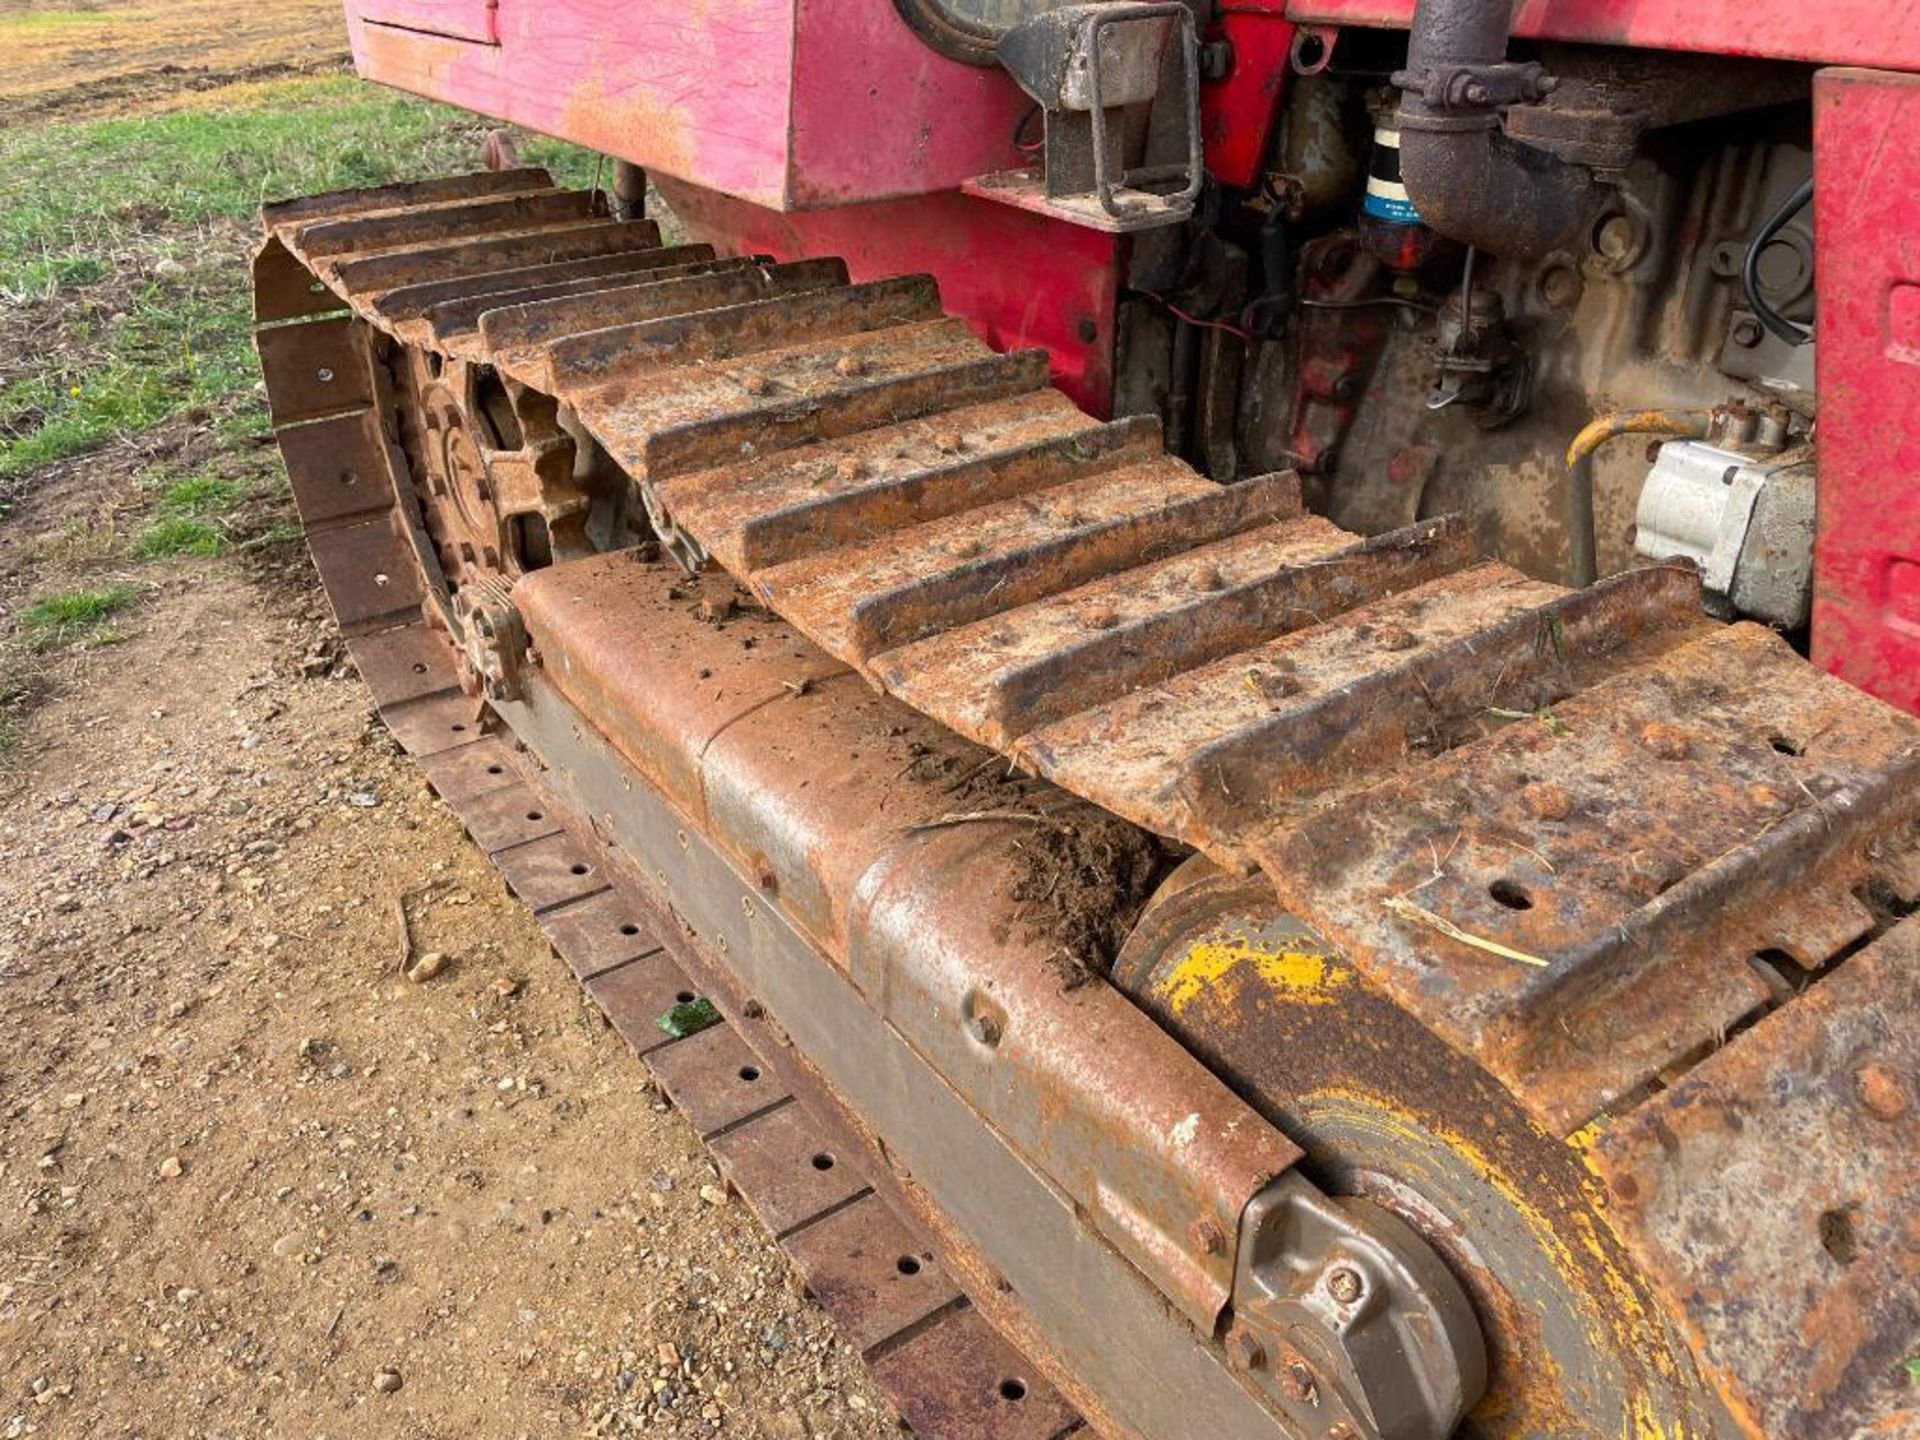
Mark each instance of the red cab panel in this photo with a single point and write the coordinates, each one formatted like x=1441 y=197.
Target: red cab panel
x=470 y=20
x=790 y=104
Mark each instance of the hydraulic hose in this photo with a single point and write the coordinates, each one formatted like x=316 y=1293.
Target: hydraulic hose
x=1583 y=558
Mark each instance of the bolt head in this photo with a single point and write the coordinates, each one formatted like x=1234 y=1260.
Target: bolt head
x=1297 y=1380
x=986 y=1029
x=1345 y=1285
x=1747 y=332
x=1616 y=238
x=1561 y=285
x=1244 y=1350
x=1207 y=1236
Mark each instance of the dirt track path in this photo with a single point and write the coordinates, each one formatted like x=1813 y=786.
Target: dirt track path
x=108 y=57
x=247 y=1167
x=252 y=1181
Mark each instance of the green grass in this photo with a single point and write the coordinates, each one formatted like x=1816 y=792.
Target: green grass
x=34 y=22
x=44 y=277
x=146 y=223
x=187 y=518
x=281 y=532
x=179 y=536
x=57 y=620
x=200 y=495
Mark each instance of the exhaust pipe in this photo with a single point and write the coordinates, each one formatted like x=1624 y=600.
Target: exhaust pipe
x=1465 y=175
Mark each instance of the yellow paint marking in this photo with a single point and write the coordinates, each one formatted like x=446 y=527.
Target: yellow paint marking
x=1300 y=975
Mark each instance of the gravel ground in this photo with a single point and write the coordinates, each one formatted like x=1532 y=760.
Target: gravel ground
x=255 y=1182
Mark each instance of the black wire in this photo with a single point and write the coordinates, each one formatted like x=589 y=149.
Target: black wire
x=1020 y=128
x=1393 y=300
x=1750 y=270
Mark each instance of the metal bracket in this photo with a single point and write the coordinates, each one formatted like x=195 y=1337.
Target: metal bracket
x=1344 y=1310
x=1095 y=72
x=493 y=639
x=1479 y=87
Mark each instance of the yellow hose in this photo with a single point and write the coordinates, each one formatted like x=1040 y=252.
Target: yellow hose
x=1581 y=543
x=1677 y=423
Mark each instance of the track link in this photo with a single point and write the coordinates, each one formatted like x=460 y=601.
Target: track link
x=1585 y=837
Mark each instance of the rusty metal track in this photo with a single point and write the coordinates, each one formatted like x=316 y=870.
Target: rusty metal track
x=803 y=1171
x=1597 y=844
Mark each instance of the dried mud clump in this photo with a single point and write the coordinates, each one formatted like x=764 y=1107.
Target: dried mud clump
x=1083 y=882
x=1082 y=876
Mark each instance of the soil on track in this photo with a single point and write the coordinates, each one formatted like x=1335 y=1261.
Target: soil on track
x=252 y=1180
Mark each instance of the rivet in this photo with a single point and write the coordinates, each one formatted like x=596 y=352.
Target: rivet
x=1669 y=742
x=1547 y=802
x=1345 y=1285
x=1881 y=1091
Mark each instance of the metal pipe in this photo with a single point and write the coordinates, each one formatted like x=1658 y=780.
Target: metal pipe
x=1185 y=358
x=1582 y=544
x=1465 y=176
x=629 y=191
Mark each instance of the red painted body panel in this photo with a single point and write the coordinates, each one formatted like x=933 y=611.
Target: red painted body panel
x=457 y=19
x=1237 y=113
x=1866 y=616
x=1842 y=32
x=792 y=104
x=1018 y=278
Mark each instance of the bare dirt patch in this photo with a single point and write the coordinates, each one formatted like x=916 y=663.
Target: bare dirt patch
x=70 y=59
x=247 y=1169
x=252 y=1180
